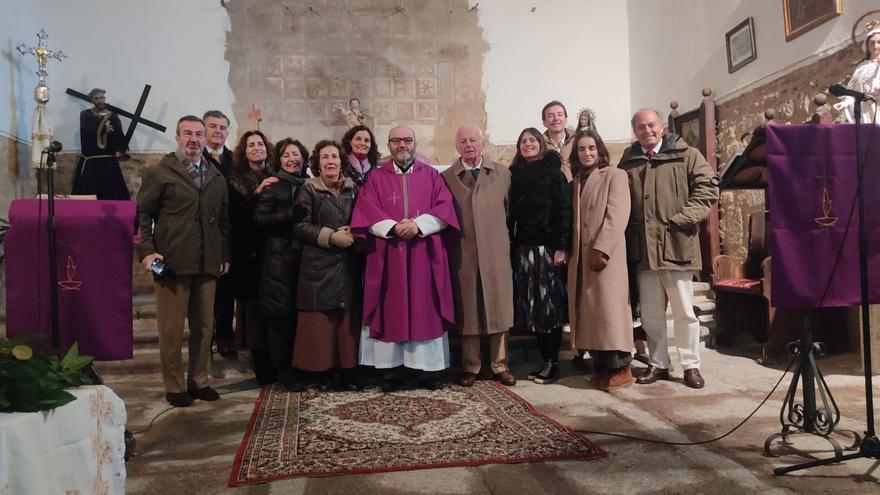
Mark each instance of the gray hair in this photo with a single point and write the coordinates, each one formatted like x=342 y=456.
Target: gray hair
x=632 y=121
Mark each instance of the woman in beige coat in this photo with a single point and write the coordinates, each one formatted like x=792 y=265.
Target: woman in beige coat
x=598 y=291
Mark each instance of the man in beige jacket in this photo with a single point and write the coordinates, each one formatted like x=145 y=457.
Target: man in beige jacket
x=671 y=189
x=480 y=262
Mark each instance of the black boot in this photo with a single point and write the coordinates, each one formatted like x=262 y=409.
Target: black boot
x=351 y=381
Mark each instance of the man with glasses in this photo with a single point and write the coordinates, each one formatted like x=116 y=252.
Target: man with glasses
x=184 y=224
x=403 y=211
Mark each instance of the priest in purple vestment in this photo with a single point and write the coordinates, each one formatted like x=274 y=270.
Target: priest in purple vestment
x=402 y=211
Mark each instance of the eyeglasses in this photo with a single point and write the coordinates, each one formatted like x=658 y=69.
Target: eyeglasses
x=407 y=140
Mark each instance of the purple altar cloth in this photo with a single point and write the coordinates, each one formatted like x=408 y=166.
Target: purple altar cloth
x=94 y=250
x=814 y=242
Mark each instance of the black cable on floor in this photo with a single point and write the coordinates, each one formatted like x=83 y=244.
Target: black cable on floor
x=702 y=442
x=169 y=408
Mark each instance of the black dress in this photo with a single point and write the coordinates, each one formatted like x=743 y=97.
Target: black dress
x=540 y=224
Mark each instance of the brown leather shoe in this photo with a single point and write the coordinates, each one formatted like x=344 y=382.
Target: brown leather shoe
x=467 y=379
x=620 y=378
x=652 y=375
x=693 y=378
x=506 y=378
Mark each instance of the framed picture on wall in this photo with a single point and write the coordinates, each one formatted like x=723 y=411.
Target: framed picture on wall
x=687 y=125
x=741 y=45
x=803 y=15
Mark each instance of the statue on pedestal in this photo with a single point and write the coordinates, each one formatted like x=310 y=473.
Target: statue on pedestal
x=103 y=147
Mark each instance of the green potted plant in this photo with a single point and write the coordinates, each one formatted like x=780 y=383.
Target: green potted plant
x=34 y=381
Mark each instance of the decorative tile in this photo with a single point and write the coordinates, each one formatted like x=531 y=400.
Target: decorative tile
x=358 y=89
x=382 y=88
x=405 y=110
x=426 y=88
x=404 y=88
x=316 y=87
x=425 y=67
x=426 y=110
x=383 y=111
x=293 y=65
x=273 y=66
x=318 y=109
x=338 y=88
x=295 y=88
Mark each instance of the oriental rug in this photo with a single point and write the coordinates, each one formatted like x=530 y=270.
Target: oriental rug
x=315 y=433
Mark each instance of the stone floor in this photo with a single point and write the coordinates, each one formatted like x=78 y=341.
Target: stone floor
x=191 y=450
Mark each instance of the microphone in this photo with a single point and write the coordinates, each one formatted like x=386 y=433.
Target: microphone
x=841 y=90
x=54 y=147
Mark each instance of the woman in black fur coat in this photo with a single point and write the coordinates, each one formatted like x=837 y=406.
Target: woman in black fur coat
x=540 y=229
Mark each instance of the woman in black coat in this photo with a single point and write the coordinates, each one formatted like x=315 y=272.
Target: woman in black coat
x=274 y=217
x=329 y=325
x=249 y=177
x=540 y=228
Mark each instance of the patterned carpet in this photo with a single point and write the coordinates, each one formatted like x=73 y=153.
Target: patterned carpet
x=316 y=433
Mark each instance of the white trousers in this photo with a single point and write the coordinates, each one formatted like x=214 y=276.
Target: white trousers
x=654 y=288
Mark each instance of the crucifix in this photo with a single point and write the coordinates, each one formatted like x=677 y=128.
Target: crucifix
x=41 y=133
x=135 y=117
x=43 y=53
x=255 y=116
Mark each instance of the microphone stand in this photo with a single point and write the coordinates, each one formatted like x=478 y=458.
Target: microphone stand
x=870 y=445
x=52 y=227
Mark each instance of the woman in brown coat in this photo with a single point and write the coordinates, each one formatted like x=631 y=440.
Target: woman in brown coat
x=328 y=325
x=598 y=290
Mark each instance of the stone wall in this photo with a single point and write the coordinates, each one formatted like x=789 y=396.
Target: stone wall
x=417 y=63
x=791 y=98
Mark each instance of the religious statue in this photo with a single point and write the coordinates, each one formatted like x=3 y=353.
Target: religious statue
x=103 y=146
x=865 y=79
x=587 y=119
x=354 y=115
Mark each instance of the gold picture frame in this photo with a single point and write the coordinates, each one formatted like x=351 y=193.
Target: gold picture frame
x=803 y=15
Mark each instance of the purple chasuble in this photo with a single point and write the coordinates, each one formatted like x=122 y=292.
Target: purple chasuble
x=407 y=287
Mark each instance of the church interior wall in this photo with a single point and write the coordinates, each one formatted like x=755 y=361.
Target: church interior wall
x=678 y=48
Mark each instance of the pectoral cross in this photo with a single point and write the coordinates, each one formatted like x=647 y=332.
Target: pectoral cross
x=255 y=116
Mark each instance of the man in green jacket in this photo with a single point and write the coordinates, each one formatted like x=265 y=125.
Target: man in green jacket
x=671 y=189
x=184 y=223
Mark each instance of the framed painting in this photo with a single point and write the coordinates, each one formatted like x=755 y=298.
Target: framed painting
x=740 y=43
x=803 y=15
x=687 y=125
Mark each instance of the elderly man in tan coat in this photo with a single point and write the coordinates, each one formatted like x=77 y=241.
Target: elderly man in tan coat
x=480 y=263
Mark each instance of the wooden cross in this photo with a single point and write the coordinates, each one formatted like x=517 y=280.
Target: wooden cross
x=255 y=116
x=42 y=52
x=135 y=117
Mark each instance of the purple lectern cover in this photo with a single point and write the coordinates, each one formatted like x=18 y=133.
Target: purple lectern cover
x=94 y=264
x=814 y=219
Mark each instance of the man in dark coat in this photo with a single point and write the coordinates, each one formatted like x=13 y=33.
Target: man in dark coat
x=184 y=223
x=672 y=188
x=103 y=144
x=220 y=156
